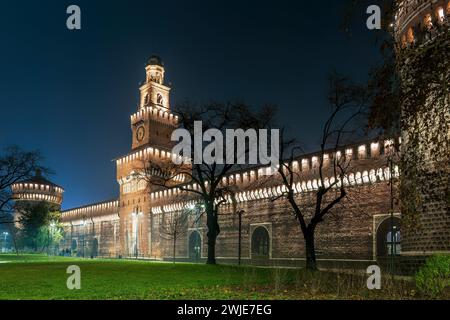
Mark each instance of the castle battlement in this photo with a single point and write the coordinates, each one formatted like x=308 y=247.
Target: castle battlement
x=37 y=189
x=156 y=114
x=145 y=154
x=353 y=179
x=96 y=209
x=307 y=166
x=417 y=21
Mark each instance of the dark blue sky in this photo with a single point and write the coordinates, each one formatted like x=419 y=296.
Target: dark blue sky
x=70 y=93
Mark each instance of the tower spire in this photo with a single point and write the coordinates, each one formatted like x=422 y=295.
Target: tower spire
x=154 y=92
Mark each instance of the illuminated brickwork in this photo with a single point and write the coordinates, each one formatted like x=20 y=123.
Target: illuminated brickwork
x=423 y=26
x=28 y=193
x=130 y=225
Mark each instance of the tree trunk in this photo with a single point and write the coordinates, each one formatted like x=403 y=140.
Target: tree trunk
x=174 y=246
x=13 y=237
x=311 y=264
x=240 y=238
x=211 y=249
x=213 y=232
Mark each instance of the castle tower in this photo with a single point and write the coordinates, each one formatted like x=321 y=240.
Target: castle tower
x=423 y=46
x=28 y=193
x=152 y=126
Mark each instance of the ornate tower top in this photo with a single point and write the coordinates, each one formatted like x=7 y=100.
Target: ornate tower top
x=155 y=60
x=154 y=92
x=155 y=70
x=153 y=123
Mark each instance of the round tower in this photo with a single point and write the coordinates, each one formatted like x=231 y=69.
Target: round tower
x=37 y=189
x=423 y=54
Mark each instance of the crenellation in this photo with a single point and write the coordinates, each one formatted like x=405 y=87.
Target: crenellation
x=156 y=114
x=418 y=21
x=352 y=179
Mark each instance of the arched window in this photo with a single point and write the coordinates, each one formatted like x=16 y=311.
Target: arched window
x=159 y=99
x=94 y=249
x=440 y=14
x=386 y=243
x=74 y=245
x=428 y=21
x=410 y=35
x=404 y=42
x=393 y=245
x=195 y=246
x=260 y=242
x=146 y=99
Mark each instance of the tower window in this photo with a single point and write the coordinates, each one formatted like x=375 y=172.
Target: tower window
x=410 y=35
x=440 y=13
x=260 y=242
x=159 y=99
x=404 y=42
x=393 y=242
x=428 y=22
x=146 y=99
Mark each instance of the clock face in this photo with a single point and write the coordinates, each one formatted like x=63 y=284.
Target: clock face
x=140 y=133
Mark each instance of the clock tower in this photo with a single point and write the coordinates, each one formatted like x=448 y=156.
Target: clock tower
x=153 y=123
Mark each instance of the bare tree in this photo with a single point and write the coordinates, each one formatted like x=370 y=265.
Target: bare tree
x=15 y=165
x=348 y=103
x=203 y=181
x=174 y=226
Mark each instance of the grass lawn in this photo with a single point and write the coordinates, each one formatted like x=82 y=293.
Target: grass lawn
x=42 y=277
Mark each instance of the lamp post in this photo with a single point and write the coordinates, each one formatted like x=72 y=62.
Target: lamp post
x=196 y=211
x=51 y=236
x=393 y=249
x=391 y=208
x=240 y=213
x=136 y=214
x=84 y=236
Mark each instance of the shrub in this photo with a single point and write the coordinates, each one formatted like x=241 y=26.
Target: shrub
x=434 y=275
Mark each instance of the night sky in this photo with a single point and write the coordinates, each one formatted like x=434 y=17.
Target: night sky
x=70 y=93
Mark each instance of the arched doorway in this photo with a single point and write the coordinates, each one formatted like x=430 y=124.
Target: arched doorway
x=389 y=237
x=74 y=245
x=94 y=252
x=260 y=243
x=73 y=248
x=195 y=246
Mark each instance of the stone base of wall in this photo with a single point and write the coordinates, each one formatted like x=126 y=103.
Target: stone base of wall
x=405 y=266
x=402 y=265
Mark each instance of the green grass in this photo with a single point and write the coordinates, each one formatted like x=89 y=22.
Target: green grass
x=42 y=277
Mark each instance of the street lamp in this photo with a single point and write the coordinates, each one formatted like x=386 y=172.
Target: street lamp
x=51 y=235
x=240 y=213
x=196 y=210
x=136 y=214
x=84 y=234
x=390 y=157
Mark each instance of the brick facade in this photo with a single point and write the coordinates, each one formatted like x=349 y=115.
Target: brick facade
x=131 y=225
